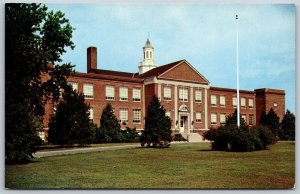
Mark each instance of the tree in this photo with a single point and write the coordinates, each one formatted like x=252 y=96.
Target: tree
x=157 y=130
x=109 y=126
x=287 y=131
x=34 y=38
x=70 y=123
x=232 y=120
x=271 y=120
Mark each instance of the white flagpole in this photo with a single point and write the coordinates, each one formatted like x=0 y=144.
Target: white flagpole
x=237 y=71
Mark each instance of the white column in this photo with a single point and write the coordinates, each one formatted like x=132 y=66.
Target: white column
x=175 y=105
x=205 y=109
x=159 y=91
x=191 y=109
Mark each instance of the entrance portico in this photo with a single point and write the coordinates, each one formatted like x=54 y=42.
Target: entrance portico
x=184 y=119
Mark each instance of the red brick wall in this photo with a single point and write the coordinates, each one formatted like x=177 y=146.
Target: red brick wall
x=99 y=102
x=229 y=109
x=183 y=72
x=270 y=98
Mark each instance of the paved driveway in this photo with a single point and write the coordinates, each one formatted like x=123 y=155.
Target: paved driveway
x=81 y=150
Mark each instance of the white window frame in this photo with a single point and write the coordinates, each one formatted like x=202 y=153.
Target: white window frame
x=123 y=115
x=167 y=93
x=243 y=102
x=243 y=116
x=136 y=94
x=213 y=118
x=109 y=92
x=183 y=94
x=123 y=92
x=198 y=96
x=223 y=118
x=74 y=85
x=213 y=100
x=250 y=103
x=234 y=101
x=91 y=116
x=88 y=91
x=168 y=113
x=222 y=101
x=198 y=117
x=251 y=118
x=137 y=116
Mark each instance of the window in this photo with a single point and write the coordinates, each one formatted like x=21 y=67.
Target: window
x=243 y=102
x=198 y=117
x=244 y=117
x=124 y=115
x=123 y=93
x=109 y=92
x=213 y=100
x=222 y=101
x=183 y=94
x=136 y=116
x=91 y=117
x=136 y=94
x=74 y=85
x=250 y=103
x=251 y=119
x=168 y=113
x=213 y=118
x=88 y=90
x=234 y=102
x=198 y=96
x=222 y=118
x=167 y=93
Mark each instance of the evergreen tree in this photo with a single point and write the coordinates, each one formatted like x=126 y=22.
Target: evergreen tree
x=271 y=120
x=157 y=130
x=232 y=120
x=70 y=124
x=287 y=131
x=34 y=38
x=109 y=126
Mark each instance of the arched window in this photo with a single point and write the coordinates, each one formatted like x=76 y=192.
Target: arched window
x=147 y=54
x=150 y=54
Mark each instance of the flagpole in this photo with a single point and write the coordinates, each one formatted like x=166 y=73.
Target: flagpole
x=237 y=71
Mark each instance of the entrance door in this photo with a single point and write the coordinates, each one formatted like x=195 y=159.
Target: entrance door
x=183 y=124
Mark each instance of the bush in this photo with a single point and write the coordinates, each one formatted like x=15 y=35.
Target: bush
x=130 y=135
x=179 y=137
x=232 y=138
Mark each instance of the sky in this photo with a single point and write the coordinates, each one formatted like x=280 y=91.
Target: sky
x=203 y=34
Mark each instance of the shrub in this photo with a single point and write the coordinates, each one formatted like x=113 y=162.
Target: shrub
x=236 y=139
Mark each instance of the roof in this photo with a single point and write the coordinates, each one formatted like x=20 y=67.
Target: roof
x=269 y=91
x=159 y=70
x=110 y=75
x=148 y=44
x=230 y=90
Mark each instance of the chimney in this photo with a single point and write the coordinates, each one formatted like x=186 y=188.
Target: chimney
x=91 y=58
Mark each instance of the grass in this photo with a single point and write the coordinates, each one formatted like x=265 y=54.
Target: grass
x=182 y=166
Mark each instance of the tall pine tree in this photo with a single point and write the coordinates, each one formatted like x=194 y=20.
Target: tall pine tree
x=157 y=132
x=287 y=131
x=110 y=129
x=70 y=124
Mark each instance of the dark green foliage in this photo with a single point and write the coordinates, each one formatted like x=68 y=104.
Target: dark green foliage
x=179 y=137
x=157 y=132
x=130 y=135
x=271 y=120
x=287 y=131
x=109 y=130
x=239 y=139
x=33 y=38
x=232 y=120
x=70 y=124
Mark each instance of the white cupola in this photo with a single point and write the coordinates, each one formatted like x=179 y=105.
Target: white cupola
x=148 y=62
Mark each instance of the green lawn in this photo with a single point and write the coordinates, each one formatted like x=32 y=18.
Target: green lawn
x=180 y=166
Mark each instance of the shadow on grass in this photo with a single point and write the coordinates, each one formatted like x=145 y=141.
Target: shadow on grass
x=205 y=150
